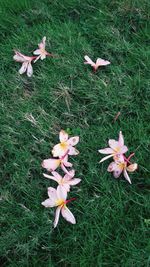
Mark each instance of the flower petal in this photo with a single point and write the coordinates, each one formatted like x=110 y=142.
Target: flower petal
x=107 y=157
x=67 y=214
x=111 y=167
x=123 y=149
x=73 y=151
x=127 y=176
x=132 y=167
x=60 y=150
x=51 y=164
x=37 y=52
x=29 y=70
x=113 y=143
x=23 y=67
x=74 y=181
x=63 y=136
x=48 y=203
x=101 y=62
x=117 y=172
x=66 y=163
x=106 y=151
x=121 y=139
x=52 y=177
x=89 y=61
x=57 y=214
x=73 y=140
x=61 y=194
x=52 y=193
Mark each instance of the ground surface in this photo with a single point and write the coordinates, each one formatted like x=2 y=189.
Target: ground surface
x=112 y=216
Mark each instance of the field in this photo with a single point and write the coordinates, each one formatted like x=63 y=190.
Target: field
x=112 y=216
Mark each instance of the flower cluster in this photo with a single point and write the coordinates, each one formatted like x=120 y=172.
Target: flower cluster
x=121 y=163
x=40 y=53
x=58 y=197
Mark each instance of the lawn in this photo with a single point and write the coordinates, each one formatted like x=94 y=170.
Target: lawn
x=112 y=216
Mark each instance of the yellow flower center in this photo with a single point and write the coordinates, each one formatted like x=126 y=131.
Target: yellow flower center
x=64 y=145
x=122 y=165
x=59 y=202
x=117 y=149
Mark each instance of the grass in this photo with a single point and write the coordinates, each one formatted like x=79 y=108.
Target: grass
x=112 y=216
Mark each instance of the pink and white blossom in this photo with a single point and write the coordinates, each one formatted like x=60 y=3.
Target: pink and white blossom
x=99 y=62
x=64 y=182
x=66 y=145
x=115 y=148
x=58 y=198
x=52 y=164
x=26 y=63
x=41 y=52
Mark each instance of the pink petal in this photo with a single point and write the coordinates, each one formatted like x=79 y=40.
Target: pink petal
x=106 y=151
x=59 y=150
x=23 y=67
x=37 y=58
x=48 y=203
x=89 y=61
x=57 y=214
x=74 y=181
x=52 y=193
x=121 y=139
x=29 y=70
x=18 y=58
x=132 y=167
x=37 y=52
x=42 y=44
x=67 y=214
x=123 y=149
x=43 y=56
x=73 y=140
x=66 y=163
x=61 y=194
x=51 y=164
x=107 y=157
x=117 y=172
x=127 y=176
x=111 y=167
x=57 y=176
x=113 y=143
x=63 y=136
x=73 y=151
x=51 y=177
x=64 y=187
x=101 y=62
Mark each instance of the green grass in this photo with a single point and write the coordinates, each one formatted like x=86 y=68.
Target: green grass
x=112 y=216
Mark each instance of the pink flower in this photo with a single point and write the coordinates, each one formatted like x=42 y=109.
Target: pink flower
x=52 y=164
x=66 y=146
x=119 y=166
x=115 y=148
x=64 y=182
x=41 y=52
x=99 y=62
x=57 y=198
x=26 y=63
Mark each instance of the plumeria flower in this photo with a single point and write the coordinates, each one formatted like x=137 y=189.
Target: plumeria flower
x=57 y=198
x=99 y=62
x=66 y=146
x=41 y=52
x=26 y=63
x=52 y=164
x=119 y=166
x=64 y=182
x=115 y=148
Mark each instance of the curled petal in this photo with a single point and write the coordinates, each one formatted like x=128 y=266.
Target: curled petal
x=132 y=167
x=126 y=176
x=57 y=214
x=107 y=157
x=56 y=179
x=29 y=70
x=67 y=214
x=89 y=61
x=23 y=67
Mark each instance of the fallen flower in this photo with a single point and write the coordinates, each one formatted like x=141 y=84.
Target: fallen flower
x=57 y=198
x=26 y=63
x=52 y=164
x=119 y=166
x=41 y=52
x=115 y=148
x=66 y=146
x=99 y=62
x=64 y=182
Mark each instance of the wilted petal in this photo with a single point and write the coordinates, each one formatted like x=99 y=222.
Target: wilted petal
x=67 y=214
x=29 y=70
x=132 y=167
x=106 y=151
x=63 y=136
x=23 y=67
x=57 y=214
x=73 y=140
